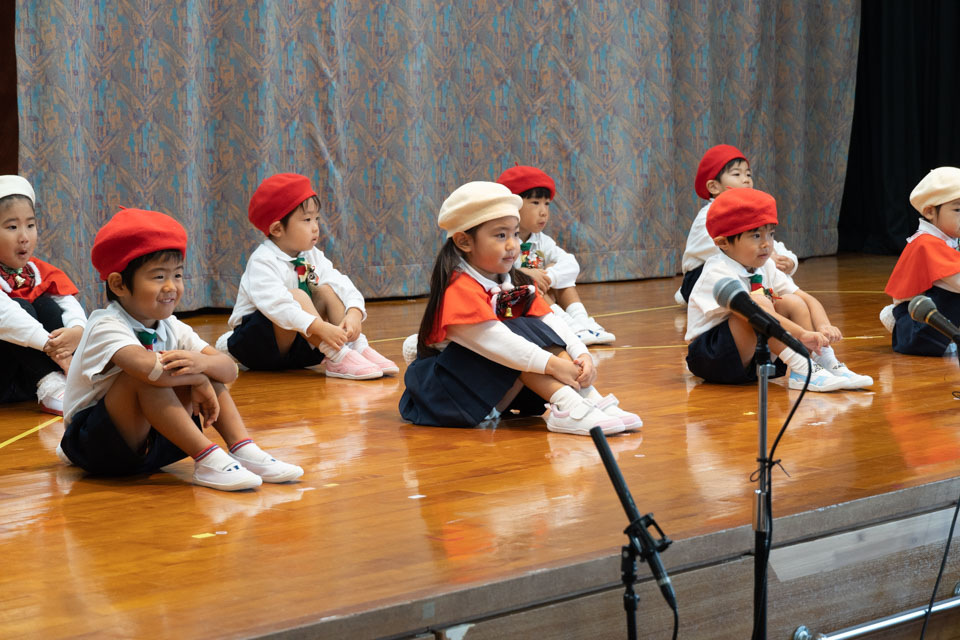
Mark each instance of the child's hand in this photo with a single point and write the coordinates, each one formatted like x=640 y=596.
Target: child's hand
x=351 y=323
x=783 y=263
x=332 y=334
x=588 y=373
x=205 y=403
x=540 y=279
x=180 y=363
x=831 y=332
x=813 y=340
x=63 y=342
x=563 y=371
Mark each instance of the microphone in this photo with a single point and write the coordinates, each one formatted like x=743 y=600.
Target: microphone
x=923 y=309
x=649 y=549
x=730 y=293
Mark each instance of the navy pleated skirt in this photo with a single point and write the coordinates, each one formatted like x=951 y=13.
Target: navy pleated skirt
x=459 y=388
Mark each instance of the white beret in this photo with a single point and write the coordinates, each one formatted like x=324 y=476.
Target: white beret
x=16 y=186
x=937 y=187
x=475 y=203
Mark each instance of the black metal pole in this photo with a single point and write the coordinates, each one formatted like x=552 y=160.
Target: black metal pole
x=761 y=503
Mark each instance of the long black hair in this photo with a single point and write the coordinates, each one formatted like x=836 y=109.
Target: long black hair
x=447 y=261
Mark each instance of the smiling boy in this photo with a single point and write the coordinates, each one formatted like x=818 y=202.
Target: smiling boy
x=143 y=385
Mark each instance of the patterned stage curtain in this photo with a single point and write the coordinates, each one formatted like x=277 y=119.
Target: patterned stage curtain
x=185 y=106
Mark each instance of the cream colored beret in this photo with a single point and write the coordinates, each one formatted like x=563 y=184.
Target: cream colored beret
x=939 y=186
x=16 y=186
x=475 y=203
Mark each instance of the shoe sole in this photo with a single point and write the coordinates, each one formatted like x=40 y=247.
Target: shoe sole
x=860 y=382
x=290 y=477
x=52 y=412
x=228 y=487
x=348 y=376
x=822 y=389
x=581 y=432
x=390 y=371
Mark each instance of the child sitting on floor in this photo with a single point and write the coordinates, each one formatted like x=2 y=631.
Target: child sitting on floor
x=40 y=319
x=553 y=270
x=294 y=310
x=140 y=375
x=722 y=167
x=722 y=344
x=488 y=343
x=929 y=265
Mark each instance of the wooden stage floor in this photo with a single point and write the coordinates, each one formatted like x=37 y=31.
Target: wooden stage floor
x=396 y=529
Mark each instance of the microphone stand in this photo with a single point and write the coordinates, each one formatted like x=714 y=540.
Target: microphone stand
x=761 y=503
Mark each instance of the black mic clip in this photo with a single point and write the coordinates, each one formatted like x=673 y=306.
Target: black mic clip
x=637 y=529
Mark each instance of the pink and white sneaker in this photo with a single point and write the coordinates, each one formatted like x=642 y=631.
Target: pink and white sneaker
x=609 y=405
x=386 y=365
x=580 y=419
x=352 y=367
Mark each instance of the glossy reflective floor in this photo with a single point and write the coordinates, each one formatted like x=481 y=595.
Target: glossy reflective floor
x=389 y=512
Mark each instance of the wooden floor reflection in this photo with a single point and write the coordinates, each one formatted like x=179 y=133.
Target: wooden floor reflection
x=389 y=512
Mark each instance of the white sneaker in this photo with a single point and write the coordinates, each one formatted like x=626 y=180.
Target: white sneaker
x=603 y=335
x=887 y=319
x=678 y=298
x=409 y=348
x=821 y=380
x=609 y=405
x=220 y=471
x=266 y=466
x=854 y=380
x=64 y=458
x=221 y=346
x=581 y=419
x=951 y=349
x=50 y=392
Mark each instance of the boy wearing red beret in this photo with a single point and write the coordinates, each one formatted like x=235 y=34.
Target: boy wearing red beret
x=722 y=167
x=929 y=265
x=40 y=319
x=722 y=344
x=553 y=270
x=139 y=375
x=294 y=310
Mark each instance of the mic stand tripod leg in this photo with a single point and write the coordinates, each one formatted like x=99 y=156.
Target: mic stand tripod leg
x=628 y=574
x=761 y=495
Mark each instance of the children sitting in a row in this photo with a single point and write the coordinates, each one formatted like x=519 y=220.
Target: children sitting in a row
x=722 y=167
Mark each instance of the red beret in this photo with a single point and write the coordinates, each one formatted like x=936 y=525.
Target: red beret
x=519 y=179
x=277 y=196
x=714 y=160
x=132 y=233
x=738 y=210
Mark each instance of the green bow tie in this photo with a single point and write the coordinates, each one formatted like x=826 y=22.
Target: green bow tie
x=146 y=337
x=303 y=269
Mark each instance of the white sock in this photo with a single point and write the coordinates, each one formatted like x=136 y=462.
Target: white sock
x=578 y=311
x=248 y=450
x=827 y=358
x=333 y=354
x=359 y=344
x=590 y=393
x=565 y=398
x=794 y=360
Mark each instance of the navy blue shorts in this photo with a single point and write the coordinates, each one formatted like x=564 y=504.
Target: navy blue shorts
x=92 y=442
x=689 y=279
x=919 y=338
x=254 y=344
x=713 y=356
x=459 y=387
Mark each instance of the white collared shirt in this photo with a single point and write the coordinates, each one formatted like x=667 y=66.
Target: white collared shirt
x=268 y=279
x=703 y=311
x=20 y=328
x=561 y=267
x=109 y=330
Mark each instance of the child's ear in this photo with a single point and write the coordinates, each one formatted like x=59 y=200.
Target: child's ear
x=928 y=212
x=275 y=228
x=463 y=241
x=115 y=282
x=721 y=242
x=714 y=187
